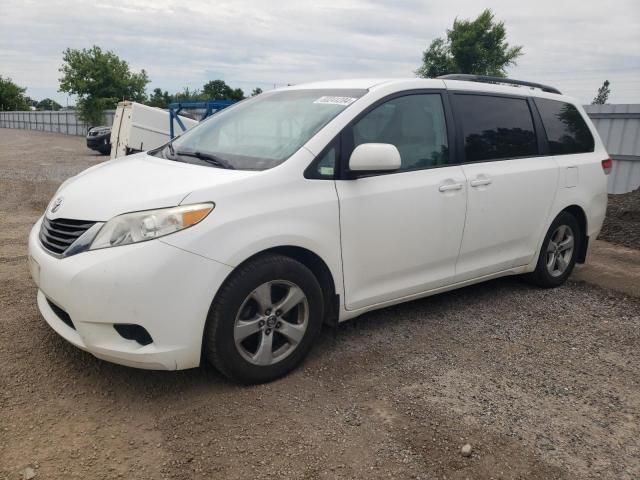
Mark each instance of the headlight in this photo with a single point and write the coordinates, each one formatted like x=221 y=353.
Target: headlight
x=149 y=224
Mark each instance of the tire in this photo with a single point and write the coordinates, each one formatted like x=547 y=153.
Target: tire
x=249 y=337
x=556 y=259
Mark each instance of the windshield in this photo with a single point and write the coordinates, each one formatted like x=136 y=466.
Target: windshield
x=261 y=132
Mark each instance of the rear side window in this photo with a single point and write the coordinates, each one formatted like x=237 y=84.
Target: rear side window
x=495 y=127
x=566 y=130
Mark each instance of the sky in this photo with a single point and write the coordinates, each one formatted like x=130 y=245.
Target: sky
x=572 y=45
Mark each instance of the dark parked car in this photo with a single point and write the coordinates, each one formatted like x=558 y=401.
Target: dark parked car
x=99 y=139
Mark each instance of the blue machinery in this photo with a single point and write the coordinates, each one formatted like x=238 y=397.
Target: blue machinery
x=210 y=107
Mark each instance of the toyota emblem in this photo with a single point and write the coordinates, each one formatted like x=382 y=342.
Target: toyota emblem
x=56 y=205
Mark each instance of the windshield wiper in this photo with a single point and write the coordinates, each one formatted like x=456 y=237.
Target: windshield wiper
x=205 y=157
x=172 y=152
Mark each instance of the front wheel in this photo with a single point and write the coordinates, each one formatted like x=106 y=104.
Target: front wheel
x=264 y=319
x=558 y=253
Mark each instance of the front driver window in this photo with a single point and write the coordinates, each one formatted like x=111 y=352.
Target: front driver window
x=415 y=124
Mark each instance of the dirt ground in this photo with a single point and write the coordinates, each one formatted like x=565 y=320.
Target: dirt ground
x=622 y=225
x=613 y=267
x=544 y=384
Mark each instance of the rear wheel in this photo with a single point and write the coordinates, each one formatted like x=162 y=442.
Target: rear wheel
x=264 y=319
x=558 y=253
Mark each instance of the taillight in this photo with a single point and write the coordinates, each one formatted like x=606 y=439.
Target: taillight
x=607 y=165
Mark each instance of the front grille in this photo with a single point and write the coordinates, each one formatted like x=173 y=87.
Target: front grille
x=62 y=315
x=95 y=133
x=58 y=235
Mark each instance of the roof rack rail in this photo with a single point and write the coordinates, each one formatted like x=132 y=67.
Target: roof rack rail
x=508 y=81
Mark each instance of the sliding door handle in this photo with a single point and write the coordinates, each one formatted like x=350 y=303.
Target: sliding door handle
x=479 y=182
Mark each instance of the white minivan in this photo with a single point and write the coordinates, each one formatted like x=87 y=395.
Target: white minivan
x=316 y=203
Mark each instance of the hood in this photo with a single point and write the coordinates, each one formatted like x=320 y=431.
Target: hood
x=136 y=182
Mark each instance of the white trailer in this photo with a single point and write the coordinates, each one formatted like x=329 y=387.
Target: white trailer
x=138 y=128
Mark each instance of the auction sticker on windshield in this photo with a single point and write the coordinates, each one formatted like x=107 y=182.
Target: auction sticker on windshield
x=336 y=100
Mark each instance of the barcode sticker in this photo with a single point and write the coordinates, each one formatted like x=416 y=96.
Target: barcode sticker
x=336 y=100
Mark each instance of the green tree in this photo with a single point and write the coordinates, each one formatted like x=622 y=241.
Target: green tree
x=12 y=95
x=187 y=96
x=237 y=94
x=48 y=104
x=219 y=90
x=159 y=98
x=256 y=91
x=99 y=79
x=31 y=102
x=213 y=90
x=603 y=94
x=471 y=46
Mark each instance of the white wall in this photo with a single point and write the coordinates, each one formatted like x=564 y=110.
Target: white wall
x=619 y=128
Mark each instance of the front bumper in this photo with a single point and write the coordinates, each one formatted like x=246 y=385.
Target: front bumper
x=166 y=290
x=98 y=141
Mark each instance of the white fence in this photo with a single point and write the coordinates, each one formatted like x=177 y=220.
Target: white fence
x=619 y=129
x=62 y=121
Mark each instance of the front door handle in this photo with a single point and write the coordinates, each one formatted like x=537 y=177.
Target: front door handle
x=479 y=182
x=450 y=186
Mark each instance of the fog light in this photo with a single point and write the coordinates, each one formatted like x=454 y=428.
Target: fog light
x=130 y=331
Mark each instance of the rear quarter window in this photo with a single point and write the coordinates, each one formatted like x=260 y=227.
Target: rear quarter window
x=566 y=130
x=495 y=127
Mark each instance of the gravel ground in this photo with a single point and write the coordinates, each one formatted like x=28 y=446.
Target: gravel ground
x=622 y=225
x=543 y=384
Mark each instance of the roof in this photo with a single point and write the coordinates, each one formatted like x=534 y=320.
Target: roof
x=410 y=83
x=353 y=83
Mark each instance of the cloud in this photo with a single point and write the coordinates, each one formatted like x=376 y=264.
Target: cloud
x=250 y=43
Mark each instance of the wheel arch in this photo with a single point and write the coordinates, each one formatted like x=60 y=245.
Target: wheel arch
x=322 y=272
x=318 y=267
x=579 y=214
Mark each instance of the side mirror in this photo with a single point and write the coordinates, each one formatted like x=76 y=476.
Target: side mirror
x=374 y=157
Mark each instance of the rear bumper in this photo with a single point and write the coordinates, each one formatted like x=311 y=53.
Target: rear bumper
x=164 y=289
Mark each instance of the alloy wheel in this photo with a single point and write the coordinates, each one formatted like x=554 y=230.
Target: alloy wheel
x=560 y=250
x=271 y=322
